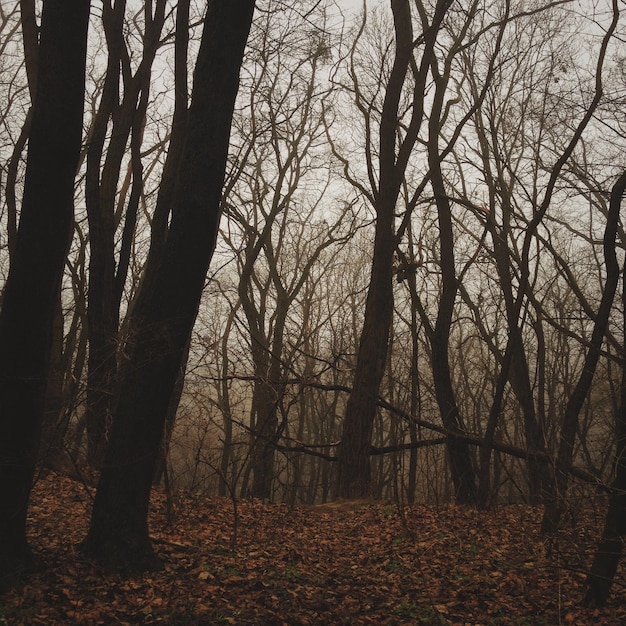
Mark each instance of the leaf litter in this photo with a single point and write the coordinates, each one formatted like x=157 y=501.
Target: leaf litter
x=343 y=563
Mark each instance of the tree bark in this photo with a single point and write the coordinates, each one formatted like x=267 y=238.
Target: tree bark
x=166 y=307
x=33 y=284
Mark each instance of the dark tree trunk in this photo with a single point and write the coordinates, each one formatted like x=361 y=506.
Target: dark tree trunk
x=167 y=305
x=461 y=466
x=106 y=281
x=167 y=188
x=160 y=472
x=227 y=485
x=100 y=188
x=600 y=579
x=269 y=392
x=354 y=478
x=171 y=167
x=32 y=287
x=518 y=371
x=265 y=439
x=416 y=395
x=353 y=472
x=459 y=456
x=263 y=416
x=557 y=505
x=539 y=472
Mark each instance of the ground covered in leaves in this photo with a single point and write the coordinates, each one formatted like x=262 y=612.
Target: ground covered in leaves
x=358 y=563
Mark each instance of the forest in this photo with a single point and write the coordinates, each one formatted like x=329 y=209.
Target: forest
x=308 y=253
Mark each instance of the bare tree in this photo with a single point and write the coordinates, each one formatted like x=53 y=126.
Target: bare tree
x=390 y=160
x=31 y=291
x=554 y=509
x=167 y=304
x=115 y=121
x=277 y=206
x=600 y=578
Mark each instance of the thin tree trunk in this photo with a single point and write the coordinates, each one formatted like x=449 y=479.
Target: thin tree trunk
x=600 y=579
x=461 y=467
x=106 y=281
x=557 y=505
x=226 y=487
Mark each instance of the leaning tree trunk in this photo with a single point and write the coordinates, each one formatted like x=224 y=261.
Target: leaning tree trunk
x=557 y=505
x=167 y=305
x=32 y=287
x=600 y=579
x=607 y=558
x=518 y=370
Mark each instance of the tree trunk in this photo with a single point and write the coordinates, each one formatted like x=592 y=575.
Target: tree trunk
x=160 y=217
x=106 y=281
x=265 y=437
x=459 y=456
x=263 y=414
x=226 y=485
x=353 y=472
x=607 y=558
x=170 y=419
x=32 y=287
x=354 y=478
x=166 y=307
x=600 y=579
x=557 y=505
x=100 y=188
x=461 y=467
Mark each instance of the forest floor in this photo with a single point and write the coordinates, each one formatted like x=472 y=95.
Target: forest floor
x=359 y=563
